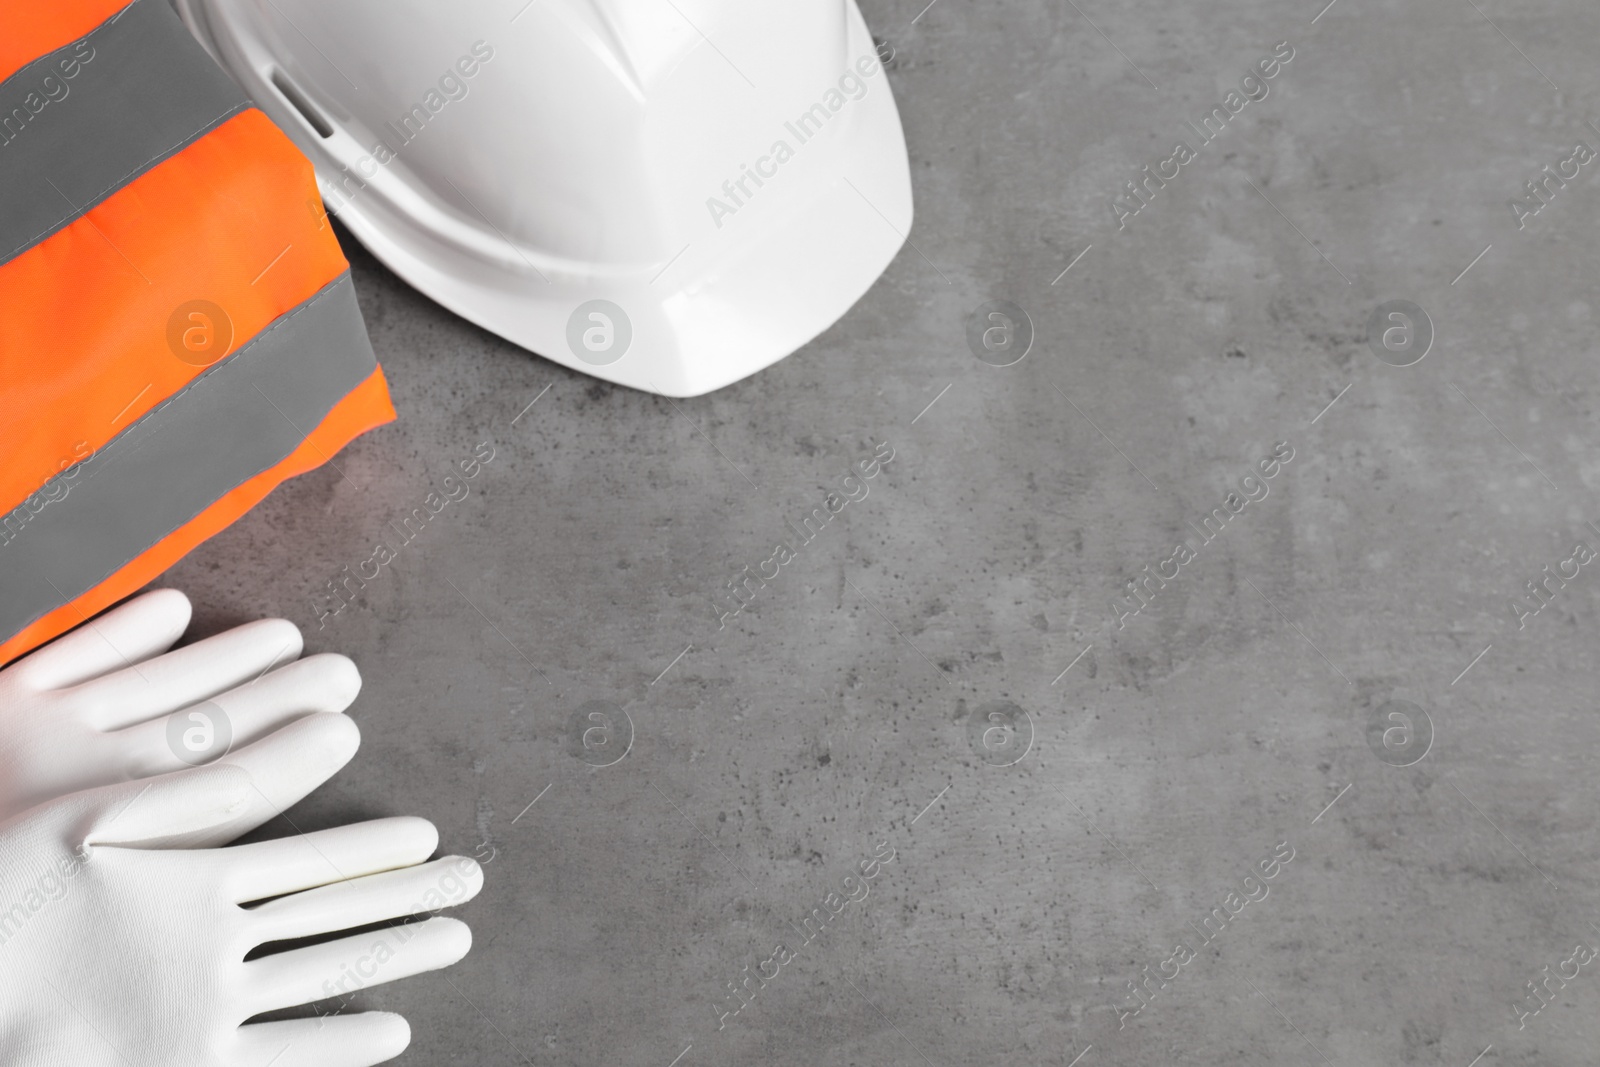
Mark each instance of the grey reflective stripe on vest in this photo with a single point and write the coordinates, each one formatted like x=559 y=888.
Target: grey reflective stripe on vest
x=145 y=92
x=241 y=416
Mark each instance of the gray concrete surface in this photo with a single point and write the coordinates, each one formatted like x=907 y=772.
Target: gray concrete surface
x=1177 y=752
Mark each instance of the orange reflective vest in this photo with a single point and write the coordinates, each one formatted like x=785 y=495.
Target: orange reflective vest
x=178 y=331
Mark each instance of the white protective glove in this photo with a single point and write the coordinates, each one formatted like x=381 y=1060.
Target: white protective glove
x=118 y=949
x=108 y=703
x=102 y=942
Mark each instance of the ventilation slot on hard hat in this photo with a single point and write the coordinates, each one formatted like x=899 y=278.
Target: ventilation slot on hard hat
x=292 y=93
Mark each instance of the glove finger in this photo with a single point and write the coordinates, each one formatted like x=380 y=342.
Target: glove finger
x=128 y=634
x=358 y=1040
x=396 y=894
x=283 y=768
x=189 y=675
x=291 y=864
x=239 y=717
x=303 y=975
x=162 y=810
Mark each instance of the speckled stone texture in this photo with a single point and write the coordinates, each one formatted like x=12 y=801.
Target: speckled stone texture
x=836 y=714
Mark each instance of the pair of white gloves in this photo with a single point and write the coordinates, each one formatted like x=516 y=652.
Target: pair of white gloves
x=124 y=930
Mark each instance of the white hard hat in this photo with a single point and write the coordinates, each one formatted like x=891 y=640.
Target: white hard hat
x=668 y=194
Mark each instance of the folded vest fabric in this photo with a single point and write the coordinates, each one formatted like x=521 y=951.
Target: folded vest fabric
x=178 y=330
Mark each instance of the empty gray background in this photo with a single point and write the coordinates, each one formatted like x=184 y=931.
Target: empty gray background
x=774 y=754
